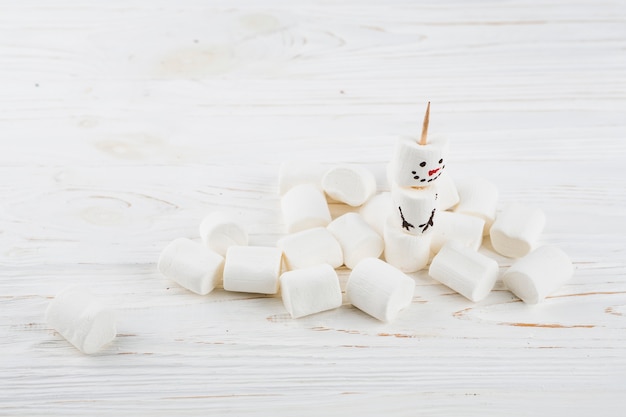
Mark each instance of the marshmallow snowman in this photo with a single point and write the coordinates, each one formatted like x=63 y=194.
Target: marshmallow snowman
x=413 y=173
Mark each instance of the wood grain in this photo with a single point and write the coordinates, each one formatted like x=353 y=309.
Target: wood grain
x=124 y=123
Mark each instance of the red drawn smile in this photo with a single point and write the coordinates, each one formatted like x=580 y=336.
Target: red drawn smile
x=433 y=171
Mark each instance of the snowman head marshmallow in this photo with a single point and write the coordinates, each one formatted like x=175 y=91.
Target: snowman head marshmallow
x=419 y=163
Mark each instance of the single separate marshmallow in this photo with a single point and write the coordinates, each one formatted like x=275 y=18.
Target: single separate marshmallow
x=254 y=269
x=448 y=195
x=304 y=207
x=460 y=227
x=357 y=239
x=538 y=274
x=349 y=184
x=220 y=230
x=310 y=290
x=415 y=208
x=191 y=265
x=311 y=247
x=466 y=271
x=379 y=289
x=477 y=197
x=407 y=252
x=82 y=319
x=415 y=165
x=376 y=211
x=294 y=173
x=516 y=230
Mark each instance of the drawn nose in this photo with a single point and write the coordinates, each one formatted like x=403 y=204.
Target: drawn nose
x=433 y=172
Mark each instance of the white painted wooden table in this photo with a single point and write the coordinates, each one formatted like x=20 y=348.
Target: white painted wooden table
x=123 y=123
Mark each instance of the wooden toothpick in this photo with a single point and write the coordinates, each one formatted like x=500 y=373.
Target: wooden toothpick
x=423 y=139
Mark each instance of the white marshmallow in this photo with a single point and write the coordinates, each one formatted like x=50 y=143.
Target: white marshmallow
x=357 y=239
x=477 y=197
x=448 y=196
x=349 y=184
x=460 y=227
x=219 y=231
x=82 y=319
x=379 y=289
x=538 y=274
x=304 y=207
x=295 y=173
x=191 y=265
x=464 y=270
x=310 y=290
x=415 y=165
x=408 y=253
x=517 y=229
x=415 y=208
x=377 y=210
x=253 y=269
x=311 y=247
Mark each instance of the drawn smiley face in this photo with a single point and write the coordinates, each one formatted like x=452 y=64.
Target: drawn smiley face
x=425 y=174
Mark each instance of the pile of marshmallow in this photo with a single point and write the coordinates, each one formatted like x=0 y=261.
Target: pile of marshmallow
x=425 y=218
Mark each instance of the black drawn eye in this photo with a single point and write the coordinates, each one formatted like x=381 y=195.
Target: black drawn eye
x=423 y=164
x=413 y=172
x=417 y=177
x=441 y=161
